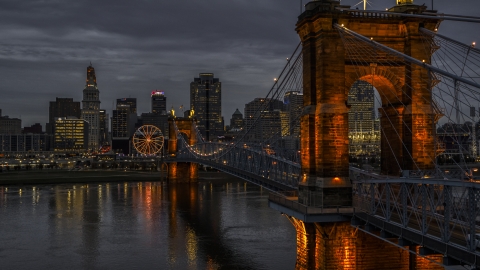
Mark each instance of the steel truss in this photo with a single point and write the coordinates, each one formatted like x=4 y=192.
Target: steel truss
x=435 y=213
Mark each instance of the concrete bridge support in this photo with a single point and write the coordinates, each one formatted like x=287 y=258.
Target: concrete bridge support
x=325 y=246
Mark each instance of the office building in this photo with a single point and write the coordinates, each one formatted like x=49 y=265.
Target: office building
x=91 y=109
x=71 y=135
x=236 y=122
x=10 y=125
x=131 y=102
x=252 y=113
x=62 y=107
x=24 y=142
x=159 y=102
x=104 y=123
x=206 y=103
x=123 y=123
x=293 y=103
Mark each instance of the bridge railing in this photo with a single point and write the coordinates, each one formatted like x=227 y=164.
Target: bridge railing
x=445 y=211
x=246 y=159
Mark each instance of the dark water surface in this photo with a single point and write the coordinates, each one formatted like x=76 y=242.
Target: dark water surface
x=215 y=224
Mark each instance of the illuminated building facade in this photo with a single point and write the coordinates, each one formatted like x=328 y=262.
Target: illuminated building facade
x=62 y=107
x=364 y=138
x=91 y=109
x=206 y=102
x=71 y=134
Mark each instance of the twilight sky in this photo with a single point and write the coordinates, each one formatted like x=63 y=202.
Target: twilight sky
x=139 y=46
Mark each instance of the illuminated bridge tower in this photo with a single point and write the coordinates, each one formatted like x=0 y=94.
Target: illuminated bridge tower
x=181 y=171
x=328 y=75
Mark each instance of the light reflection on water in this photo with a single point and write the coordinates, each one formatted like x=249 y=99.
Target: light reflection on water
x=151 y=225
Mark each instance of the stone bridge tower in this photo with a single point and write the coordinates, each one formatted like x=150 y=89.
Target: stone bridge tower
x=181 y=171
x=407 y=141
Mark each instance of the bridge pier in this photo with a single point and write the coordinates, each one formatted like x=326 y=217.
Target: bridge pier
x=325 y=246
x=181 y=172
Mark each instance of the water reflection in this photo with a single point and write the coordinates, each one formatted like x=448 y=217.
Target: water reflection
x=208 y=225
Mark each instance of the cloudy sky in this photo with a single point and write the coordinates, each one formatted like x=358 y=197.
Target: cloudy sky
x=139 y=46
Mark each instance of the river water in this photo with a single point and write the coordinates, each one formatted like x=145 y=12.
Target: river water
x=214 y=224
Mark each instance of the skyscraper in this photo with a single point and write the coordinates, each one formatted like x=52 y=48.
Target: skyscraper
x=206 y=102
x=62 y=107
x=131 y=102
x=256 y=109
x=159 y=102
x=293 y=102
x=123 y=125
x=91 y=109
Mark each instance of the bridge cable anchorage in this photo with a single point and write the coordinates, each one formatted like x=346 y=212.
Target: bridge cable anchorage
x=389 y=14
x=362 y=52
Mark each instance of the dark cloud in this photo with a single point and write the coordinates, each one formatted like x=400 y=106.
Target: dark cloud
x=137 y=46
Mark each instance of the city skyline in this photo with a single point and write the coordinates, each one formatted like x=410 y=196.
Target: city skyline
x=45 y=56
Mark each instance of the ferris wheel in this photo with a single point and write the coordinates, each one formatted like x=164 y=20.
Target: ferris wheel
x=148 y=140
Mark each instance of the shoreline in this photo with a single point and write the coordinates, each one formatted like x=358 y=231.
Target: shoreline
x=96 y=176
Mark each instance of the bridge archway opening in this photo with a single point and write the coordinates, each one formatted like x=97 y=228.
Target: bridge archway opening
x=364 y=125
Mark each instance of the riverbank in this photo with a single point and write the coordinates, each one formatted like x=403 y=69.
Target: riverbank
x=91 y=176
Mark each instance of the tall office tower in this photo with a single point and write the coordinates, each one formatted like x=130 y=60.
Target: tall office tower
x=62 y=107
x=71 y=134
x=253 y=110
x=271 y=126
x=361 y=118
x=236 y=122
x=131 y=102
x=104 y=136
x=159 y=102
x=10 y=125
x=91 y=109
x=206 y=102
x=123 y=127
x=293 y=102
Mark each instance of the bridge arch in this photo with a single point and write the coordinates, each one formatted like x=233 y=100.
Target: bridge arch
x=329 y=70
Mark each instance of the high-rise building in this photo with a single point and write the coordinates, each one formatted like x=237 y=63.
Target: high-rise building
x=236 y=122
x=104 y=135
x=91 y=109
x=71 y=134
x=10 y=125
x=206 y=102
x=159 y=102
x=131 y=102
x=364 y=138
x=62 y=107
x=123 y=126
x=253 y=111
x=293 y=102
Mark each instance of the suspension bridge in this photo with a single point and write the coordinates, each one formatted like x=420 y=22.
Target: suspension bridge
x=427 y=84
